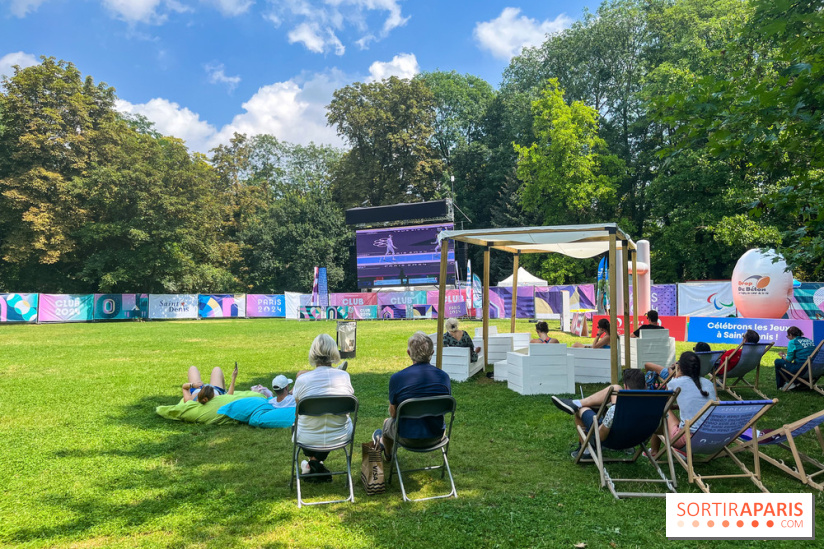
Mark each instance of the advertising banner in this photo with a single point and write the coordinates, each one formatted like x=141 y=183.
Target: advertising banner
x=807 y=301
x=548 y=302
x=664 y=299
x=18 y=307
x=265 y=306
x=66 y=308
x=165 y=306
x=581 y=297
x=353 y=299
x=500 y=300
x=120 y=306
x=310 y=312
x=705 y=299
x=731 y=330
x=337 y=313
x=388 y=312
x=364 y=312
x=677 y=325
x=221 y=306
x=323 y=288
x=401 y=298
x=452 y=296
x=424 y=311
x=292 y=300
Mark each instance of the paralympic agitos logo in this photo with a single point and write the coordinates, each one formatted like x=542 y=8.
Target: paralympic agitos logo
x=755 y=284
x=713 y=300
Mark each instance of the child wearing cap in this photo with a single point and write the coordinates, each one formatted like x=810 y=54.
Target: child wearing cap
x=283 y=398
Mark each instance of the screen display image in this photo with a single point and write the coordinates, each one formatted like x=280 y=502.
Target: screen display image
x=402 y=256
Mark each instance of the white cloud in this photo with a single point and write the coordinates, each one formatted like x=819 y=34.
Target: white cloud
x=172 y=119
x=507 y=34
x=8 y=61
x=217 y=75
x=231 y=8
x=21 y=8
x=404 y=65
x=144 y=11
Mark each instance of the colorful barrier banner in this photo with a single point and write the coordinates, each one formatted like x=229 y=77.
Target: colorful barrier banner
x=424 y=311
x=500 y=302
x=731 y=330
x=18 y=307
x=677 y=325
x=664 y=299
x=338 y=313
x=165 y=306
x=807 y=302
x=706 y=299
x=221 y=306
x=66 y=308
x=353 y=299
x=310 y=312
x=452 y=296
x=548 y=302
x=364 y=312
x=401 y=298
x=581 y=297
x=265 y=305
x=121 y=306
x=392 y=311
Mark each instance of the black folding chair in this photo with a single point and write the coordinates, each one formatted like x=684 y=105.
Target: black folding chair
x=418 y=408
x=322 y=406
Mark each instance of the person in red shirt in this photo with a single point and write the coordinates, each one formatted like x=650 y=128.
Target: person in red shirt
x=750 y=336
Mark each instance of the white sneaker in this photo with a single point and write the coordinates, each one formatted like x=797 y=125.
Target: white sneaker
x=792 y=386
x=304 y=467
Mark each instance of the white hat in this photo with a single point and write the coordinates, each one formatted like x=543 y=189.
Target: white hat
x=281 y=382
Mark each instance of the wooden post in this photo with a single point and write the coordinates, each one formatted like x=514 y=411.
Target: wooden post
x=627 y=333
x=515 y=262
x=441 y=303
x=613 y=303
x=486 y=304
x=635 y=289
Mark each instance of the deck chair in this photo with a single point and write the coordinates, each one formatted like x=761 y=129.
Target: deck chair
x=723 y=422
x=809 y=373
x=785 y=438
x=751 y=354
x=418 y=408
x=638 y=415
x=708 y=360
x=321 y=406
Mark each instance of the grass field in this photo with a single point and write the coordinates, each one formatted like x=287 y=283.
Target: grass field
x=86 y=462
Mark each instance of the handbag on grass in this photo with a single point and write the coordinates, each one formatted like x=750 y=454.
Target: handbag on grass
x=372 y=469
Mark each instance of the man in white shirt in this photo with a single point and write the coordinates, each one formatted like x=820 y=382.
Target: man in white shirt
x=283 y=398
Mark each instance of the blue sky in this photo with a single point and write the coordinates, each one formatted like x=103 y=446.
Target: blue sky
x=203 y=69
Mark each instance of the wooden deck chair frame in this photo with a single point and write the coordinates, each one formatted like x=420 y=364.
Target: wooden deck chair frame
x=596 y=452
x=785 y=438
x=417 y=408
x=740 y=370
x=321 y=406
x=808 y=378
x=687 y=460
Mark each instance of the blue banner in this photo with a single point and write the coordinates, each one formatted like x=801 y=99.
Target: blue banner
x=323 y=288
x=731 y=330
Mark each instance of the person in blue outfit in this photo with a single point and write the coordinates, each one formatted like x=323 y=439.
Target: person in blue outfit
x=419 y=380
x=799 y=349
x=196 y=390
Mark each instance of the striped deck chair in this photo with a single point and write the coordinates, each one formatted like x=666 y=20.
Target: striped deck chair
x=708 y=360
x=785 y=438
x=720 y=424
x=638 y=414
x=751 y=354
x=809 y=373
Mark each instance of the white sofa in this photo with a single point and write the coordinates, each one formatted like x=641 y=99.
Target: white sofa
x=500 y=344
x=541 y=369
x=592 y=365
x=654 y=346
x=456 y=360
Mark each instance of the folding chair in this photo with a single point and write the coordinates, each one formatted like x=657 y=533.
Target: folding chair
x=809 y=373
x=418 y=408
x=723 y=422
x=751 y=354
x=638 y=415
x=322 y=406
x=708 y=360
x=785 y=438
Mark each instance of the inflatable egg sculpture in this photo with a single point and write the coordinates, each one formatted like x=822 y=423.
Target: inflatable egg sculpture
x=761 y=288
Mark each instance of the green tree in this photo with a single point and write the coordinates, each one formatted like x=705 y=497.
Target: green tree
x=389 y=127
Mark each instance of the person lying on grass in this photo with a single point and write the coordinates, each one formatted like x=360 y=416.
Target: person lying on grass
x=696 y=391
x=584 y=414
x=195 y=389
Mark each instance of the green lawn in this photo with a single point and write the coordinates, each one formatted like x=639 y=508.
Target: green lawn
x=86 y=462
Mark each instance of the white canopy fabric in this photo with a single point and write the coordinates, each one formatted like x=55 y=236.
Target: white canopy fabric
x=525 y=278
x=579 y=241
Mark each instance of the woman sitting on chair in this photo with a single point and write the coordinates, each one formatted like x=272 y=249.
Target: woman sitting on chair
x=799 y=349
x=455 y=337
x=543 y=334
x=195 y=389
x=601 y=339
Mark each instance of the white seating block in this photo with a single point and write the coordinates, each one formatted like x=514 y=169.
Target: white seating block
x=545 y=369
x=591 y=365
x=456 y=361
x=654 y=346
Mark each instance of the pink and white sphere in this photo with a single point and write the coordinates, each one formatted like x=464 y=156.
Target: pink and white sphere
x=762 y=287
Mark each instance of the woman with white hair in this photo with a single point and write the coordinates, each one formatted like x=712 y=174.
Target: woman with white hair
x=455 y=337
x=324 y=380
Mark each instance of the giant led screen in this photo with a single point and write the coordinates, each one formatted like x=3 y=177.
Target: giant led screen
x=402 y=256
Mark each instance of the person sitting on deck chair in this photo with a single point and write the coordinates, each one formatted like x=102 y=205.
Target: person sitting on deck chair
x=420 y=380
x=750 y=337
x=799 y=349
x=583 y=410
x=657 y=375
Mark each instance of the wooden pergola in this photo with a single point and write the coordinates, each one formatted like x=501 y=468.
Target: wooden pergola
x=579 y=241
